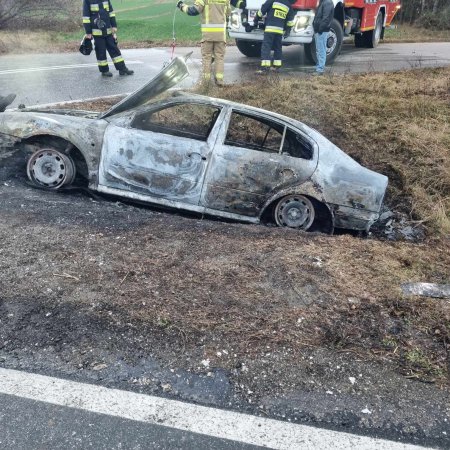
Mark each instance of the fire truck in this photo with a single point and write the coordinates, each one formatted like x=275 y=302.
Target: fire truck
x=365 y=19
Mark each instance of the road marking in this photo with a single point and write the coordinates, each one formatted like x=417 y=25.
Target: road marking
x=68 y=66
x=183 y=416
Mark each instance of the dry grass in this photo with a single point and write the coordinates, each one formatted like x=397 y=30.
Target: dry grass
x=25 y=42
x=409 y=33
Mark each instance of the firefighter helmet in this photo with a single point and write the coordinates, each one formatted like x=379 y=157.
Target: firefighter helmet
x=86 y=46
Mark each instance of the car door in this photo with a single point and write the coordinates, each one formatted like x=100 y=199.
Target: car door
x=251 y=162
x=162 y=154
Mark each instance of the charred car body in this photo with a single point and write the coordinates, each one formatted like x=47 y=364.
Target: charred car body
x=200 y=154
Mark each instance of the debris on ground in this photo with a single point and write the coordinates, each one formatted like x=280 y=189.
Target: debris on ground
x=427 y=289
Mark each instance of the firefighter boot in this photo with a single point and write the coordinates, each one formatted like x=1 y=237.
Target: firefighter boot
x=107 y=74
x=126 y=71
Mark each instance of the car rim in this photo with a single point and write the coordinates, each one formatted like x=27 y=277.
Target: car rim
x=50 y=168
x=294 y=211
x=331 y=41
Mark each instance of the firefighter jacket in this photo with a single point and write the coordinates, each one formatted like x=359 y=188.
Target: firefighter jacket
x=99 y=17
x=214 y=18
x=324 y=16
x=279 y=15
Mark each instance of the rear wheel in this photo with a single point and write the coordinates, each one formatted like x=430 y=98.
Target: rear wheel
x=294 y=211
x=249 y=48
x=372 y=37
x=50 y=169
x=334 y=44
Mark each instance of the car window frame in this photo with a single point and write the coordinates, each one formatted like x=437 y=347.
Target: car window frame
x=166 y=105
x=286 y=126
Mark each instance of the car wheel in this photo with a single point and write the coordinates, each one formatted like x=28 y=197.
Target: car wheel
x=372 y=37
x=50 y=169
x=249 y=48
x=334 y=44
x=294 y=211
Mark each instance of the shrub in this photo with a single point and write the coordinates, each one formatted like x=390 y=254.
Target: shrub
x=439 y=20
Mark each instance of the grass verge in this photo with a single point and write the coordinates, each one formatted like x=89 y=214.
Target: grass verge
x=143 y=32
x=408 y=33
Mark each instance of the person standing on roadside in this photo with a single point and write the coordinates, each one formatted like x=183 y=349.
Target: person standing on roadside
x=214 y=34
x=279 y=21
x=99 y=21
x=321 y=24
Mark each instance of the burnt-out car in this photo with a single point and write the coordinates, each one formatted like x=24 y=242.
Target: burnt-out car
x=200 y=154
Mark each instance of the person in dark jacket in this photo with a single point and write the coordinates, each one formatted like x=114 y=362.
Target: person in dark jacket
x=99 y=20
x=321 y=24
x=279 y=21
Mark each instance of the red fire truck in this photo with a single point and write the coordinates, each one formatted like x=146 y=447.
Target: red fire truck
x=365 y=19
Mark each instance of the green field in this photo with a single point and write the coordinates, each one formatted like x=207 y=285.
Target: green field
x=149 y=21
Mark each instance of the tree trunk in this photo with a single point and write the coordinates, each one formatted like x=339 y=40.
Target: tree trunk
x=435 y=6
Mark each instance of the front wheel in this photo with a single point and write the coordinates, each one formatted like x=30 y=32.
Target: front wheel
x=49 y=168
x=334 y=44
x=372 y=37
x=251 y=49
x=294 y=211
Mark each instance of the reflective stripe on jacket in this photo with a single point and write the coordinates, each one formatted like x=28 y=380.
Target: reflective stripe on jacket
x=279 y=15
x=214 y=18
x=98 y=13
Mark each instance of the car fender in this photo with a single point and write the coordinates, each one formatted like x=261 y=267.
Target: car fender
x=84 y=134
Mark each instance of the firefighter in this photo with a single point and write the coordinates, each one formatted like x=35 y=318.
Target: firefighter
x=99 y=20
x=279 y=21
x=214 y=20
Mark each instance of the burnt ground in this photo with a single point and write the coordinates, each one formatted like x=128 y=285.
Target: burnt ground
x=303 y=327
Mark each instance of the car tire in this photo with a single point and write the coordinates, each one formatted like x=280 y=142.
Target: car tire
x=48 y=168
x=294 y=211
x=252 y=49
x=372 y=37
x=334 y=44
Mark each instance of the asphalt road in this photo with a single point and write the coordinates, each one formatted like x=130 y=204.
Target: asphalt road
x=48 y=78
x=44 y=412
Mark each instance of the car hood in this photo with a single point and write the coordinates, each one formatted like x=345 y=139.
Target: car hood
x=168 y=77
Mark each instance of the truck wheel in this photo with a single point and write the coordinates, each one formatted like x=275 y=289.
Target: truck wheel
x=359 y=40
x=334 y=44
x=249 y=48
x=372 y=37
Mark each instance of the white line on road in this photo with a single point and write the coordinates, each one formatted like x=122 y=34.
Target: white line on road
x=183 y=416
x=68 y=66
